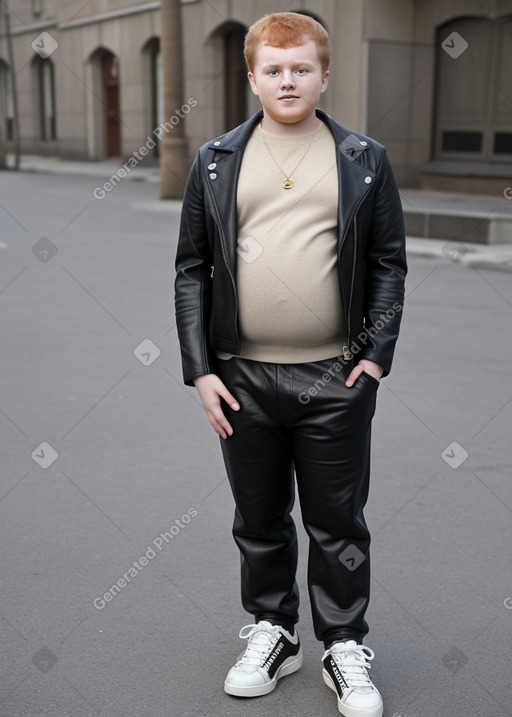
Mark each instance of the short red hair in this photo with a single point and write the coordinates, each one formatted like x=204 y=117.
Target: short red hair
x=286 y=29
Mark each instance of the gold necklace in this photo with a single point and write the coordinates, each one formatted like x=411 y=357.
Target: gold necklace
x=287 y=184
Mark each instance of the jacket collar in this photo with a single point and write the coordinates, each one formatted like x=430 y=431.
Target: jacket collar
x=236 y=138
x=356 y=171
x=348 y=143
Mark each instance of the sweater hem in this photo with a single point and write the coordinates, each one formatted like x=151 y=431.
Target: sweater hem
x=287 y=354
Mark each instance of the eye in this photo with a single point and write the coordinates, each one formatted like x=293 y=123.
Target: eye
x=272 y=73
x=302 y=71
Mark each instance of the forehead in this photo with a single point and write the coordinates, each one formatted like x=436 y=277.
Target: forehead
x=269 y=55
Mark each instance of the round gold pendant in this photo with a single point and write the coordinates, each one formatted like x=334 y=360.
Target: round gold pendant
x=287 y=184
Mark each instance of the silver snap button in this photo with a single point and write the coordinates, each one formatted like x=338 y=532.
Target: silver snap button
x=213 y=175
x=364 y=144
x=367 y=180
x=212 y=166
x=216 y=144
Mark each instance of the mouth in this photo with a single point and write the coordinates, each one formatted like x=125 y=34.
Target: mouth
x=288 y=97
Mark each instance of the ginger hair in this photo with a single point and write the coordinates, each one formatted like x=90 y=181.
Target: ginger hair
x=286 y=29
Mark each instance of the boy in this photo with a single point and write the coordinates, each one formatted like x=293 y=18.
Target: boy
x=289 y=291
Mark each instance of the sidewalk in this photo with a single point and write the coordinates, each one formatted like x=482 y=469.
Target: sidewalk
x=105 y=452
x=482 y=256
x=104 y=169
x=459 y=217
x=419 y=208
x=437 y=211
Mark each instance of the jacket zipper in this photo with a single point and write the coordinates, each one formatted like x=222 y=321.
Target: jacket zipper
x=346 y=349
x=222 y=242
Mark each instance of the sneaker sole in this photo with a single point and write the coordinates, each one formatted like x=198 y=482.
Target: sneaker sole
x=292 y=664
x=345 y=709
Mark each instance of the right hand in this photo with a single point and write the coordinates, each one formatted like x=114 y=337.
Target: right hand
x=211 y=389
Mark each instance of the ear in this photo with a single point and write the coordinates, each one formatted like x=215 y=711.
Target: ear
x=252 y=82
x=325 y=81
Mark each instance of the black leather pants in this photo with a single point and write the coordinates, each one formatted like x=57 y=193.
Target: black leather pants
x=301 y=417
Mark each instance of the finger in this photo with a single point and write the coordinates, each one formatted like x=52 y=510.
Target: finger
x=220 y=431
x=225 y=428
x=353 y=376
x=216 y=426
x=229 y=398
x=220 y=423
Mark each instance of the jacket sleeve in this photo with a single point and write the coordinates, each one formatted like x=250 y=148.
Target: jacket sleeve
x=386 y=268
x=192 y=287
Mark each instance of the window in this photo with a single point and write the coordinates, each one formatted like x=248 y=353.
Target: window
x=156 y=88
x=6 y=101
x=46 y=80
x=473 y=118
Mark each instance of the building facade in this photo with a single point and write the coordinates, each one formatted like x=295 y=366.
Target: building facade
x=430 y=79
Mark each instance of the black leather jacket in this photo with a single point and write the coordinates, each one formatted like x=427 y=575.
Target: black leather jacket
x=371 y=249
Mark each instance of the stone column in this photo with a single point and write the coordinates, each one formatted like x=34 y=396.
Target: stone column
x=173 y=162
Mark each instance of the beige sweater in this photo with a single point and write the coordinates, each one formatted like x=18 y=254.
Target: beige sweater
x=290 y=308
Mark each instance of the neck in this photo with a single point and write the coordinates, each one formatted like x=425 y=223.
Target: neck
x=296 y=129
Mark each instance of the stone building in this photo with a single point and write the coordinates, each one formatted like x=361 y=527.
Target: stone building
x=430 y=79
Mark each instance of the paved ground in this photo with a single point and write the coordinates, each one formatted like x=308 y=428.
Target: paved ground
x=468 y=253
x=137 y=488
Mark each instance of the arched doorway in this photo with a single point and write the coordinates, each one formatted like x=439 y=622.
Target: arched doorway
x=44 y=75
x=6 y=102
x=225 y=76
x=235 y=76
x=103 y=105
x=112 y=116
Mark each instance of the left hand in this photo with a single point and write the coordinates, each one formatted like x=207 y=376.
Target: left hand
x=368 y=367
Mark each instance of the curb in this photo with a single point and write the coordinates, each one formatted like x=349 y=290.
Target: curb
x=89 y=170
x=494 y=256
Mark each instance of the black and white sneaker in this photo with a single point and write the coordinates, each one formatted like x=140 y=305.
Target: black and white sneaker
x=345 y=671
x=271 y=654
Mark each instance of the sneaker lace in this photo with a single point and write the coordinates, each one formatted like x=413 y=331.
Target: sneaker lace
x=262 y=638
x=353 y=662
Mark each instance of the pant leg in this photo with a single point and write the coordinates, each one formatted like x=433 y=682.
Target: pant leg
x=258 y=460
x=331 y=451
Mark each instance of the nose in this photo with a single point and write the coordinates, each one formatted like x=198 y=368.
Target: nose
x=287 y=80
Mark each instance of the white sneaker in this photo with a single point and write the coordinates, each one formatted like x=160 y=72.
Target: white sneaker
x=345 y=671
x=271 y=654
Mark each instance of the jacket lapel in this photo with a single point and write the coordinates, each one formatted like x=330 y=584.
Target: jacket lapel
x=224 y=159
x=226 y=153
x=354 y=176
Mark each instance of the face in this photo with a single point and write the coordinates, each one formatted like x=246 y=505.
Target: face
x=288 y=81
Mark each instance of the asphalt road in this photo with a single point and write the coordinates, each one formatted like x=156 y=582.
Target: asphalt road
x=119 y=576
